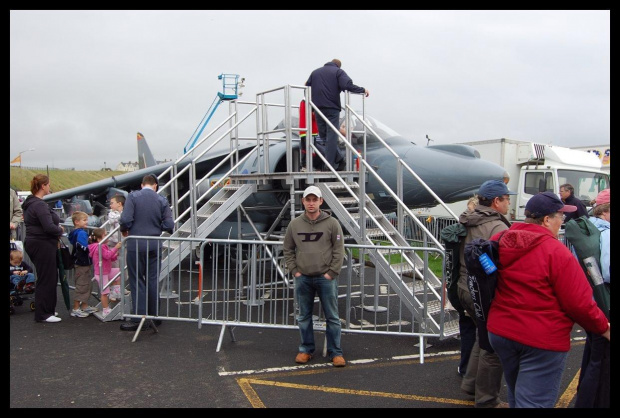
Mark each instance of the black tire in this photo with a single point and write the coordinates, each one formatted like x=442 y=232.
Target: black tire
x=17 y=301
x=32 y=306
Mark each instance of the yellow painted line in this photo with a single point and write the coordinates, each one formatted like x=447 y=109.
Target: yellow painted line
x=250 y=393
x=569 y=393
x=246 y=383
x=571 y=390
x=256 y=403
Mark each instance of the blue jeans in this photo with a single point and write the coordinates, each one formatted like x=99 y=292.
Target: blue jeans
x=332 y=154
x=15 y=279
x=533 y=375
x=306 y=287
x=143 y=268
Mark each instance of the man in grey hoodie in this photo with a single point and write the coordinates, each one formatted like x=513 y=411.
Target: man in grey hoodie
x=314 y=252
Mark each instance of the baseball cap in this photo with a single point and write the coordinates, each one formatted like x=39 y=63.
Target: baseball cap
x=491 y=189
x=545 y=203
x=603 y=197
x=312 y=190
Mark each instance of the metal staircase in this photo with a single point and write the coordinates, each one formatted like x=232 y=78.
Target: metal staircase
x=419 y=290
x=422 y=297
x=208 y=217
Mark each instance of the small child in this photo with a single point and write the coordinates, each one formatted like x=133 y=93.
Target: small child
x=83 y=266
x=117 y=202
x=22 y=276
x=103 y=267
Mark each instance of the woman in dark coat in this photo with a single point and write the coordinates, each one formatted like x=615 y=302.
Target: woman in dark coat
x=42 y=234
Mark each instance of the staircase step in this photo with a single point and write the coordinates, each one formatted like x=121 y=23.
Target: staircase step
x=171 y=245
x=357 y=215
x=115 y=314
x=433 y=307
x=451 y=328
x=418 y=286
x=347 y=200
x=377 y=232
x=402 y=268
x=337 y=186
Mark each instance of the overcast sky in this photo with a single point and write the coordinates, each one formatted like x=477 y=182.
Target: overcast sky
x=83 y=83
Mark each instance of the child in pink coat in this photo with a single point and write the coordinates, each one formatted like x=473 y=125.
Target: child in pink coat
x=103 y=267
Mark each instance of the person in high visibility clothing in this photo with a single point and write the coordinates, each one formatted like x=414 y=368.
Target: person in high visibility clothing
x=302 y=133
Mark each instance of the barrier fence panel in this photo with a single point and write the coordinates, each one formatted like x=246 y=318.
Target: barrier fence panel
x=232 y=283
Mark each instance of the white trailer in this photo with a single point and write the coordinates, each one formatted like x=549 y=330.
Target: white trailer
x=535 y=168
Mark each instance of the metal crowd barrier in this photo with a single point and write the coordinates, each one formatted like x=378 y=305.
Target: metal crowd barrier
x=233 y=283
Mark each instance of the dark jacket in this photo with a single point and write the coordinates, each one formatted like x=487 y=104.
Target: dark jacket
x=327 y=82
x=581 y=208
x=79 y=239
x=42 y=223
x=146 y=214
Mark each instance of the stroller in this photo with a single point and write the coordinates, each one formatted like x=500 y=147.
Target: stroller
x=19 y=293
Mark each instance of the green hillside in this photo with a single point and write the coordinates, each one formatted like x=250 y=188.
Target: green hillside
x=59 y=179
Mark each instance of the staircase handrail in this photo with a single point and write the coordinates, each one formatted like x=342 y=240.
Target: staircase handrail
x=372 y=171
x=174 y=178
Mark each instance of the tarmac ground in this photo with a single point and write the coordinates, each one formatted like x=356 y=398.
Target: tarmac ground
x=87 y=363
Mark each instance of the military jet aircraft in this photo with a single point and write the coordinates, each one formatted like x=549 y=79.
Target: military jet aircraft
x=454 y=172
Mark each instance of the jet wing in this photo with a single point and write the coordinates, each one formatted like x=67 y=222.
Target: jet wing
x=133 y=179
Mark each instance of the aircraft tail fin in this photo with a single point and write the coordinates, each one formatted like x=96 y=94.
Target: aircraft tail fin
x=145 y=156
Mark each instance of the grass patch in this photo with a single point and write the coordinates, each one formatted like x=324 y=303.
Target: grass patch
x=60 y=179
x=434 y=259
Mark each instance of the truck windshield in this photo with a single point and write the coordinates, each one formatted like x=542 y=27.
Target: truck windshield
x=587 y=185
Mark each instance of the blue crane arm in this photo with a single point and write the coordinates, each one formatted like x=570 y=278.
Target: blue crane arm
x=218 y=100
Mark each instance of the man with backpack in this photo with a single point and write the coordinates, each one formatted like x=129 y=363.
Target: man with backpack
x=483 y=377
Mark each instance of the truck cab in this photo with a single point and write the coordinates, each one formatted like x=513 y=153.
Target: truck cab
x=547 y=167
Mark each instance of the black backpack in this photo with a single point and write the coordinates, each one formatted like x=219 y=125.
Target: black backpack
x=481 y=260
x=452 y=236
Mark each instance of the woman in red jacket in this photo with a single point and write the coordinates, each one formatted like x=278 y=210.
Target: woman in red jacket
x=541 y=292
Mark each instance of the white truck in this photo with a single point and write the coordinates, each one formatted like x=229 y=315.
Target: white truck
x=535 y=168
x=603 y=152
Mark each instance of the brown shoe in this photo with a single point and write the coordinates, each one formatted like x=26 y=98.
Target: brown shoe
x=302 y=358
x=338 y=361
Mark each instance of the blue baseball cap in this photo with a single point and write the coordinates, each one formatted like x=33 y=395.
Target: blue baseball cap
x=544 y=204
x=491 y=189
